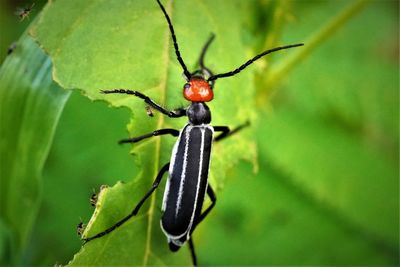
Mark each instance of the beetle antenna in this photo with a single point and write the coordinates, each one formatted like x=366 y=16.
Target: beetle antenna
x=249 y=62
x=204 y=50
x=178 y=54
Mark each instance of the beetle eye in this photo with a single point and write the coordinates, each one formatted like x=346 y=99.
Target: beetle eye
x=186 y=86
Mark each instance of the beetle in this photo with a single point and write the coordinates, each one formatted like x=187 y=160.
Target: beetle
x=188 y=169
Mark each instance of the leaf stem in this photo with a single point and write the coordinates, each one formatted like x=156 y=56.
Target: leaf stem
x=281 y=70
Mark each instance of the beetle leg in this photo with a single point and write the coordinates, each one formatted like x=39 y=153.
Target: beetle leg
x=213 y=198
x=172 y=114
x=192 y=252
x=172 y=132
x=211 y=194
x=156 y=182
x=228 y=132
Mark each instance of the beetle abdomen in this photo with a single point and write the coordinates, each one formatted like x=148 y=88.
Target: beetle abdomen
x=187 y=182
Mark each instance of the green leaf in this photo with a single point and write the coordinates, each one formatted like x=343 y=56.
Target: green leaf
x=332 y=140
x=76 y=167
x=30 y=106
x=103 y=45
x=282 y=225
x=326 y=191
x=348 y=177
x=341 y=134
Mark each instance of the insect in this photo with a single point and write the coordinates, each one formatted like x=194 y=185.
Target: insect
x=95 y=196
x=188 y=169
x=80 y=228
x=93 y=199
x=24 y=12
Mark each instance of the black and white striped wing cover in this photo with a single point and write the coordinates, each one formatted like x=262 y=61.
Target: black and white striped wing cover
x=187 y=182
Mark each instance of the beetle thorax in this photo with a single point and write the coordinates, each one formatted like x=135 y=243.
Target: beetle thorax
x=199 y=113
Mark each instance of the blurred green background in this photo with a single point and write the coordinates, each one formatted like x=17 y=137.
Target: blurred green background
x=326 y=192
